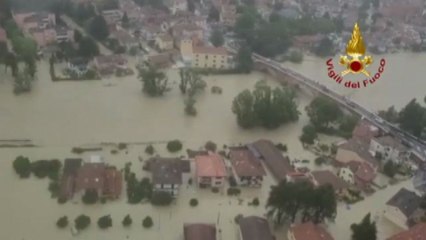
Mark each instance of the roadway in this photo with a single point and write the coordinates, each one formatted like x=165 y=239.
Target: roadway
x=417 y=144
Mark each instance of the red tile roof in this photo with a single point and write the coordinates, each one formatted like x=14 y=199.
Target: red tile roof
x=310 y=231
x=362 y=170
x=365 y=131
x=327 y=177
x=245 y=163
x=199 y=231
x=210 y=50
x=211 y=165
x=90 y=176
x=113 y=182
x=418 y=232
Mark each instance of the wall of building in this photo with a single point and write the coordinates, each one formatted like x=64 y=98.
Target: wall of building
x=396 y=216
x=202 y=60
x=346 y=174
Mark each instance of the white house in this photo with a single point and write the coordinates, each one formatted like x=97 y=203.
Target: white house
x=389 y=148
x=401 y=207
x=346 y=174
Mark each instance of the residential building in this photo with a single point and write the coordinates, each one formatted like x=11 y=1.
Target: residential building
x=364 y=130
x=211 y=57
x=419 y=180
x=418 y=232
x=186 y=31
x=167 y=175
x=107 y=65
x=401 y=207
x=3 y=35
x=255 y=228
x=389 y=148
x=71 y=167
x=150 y=31
x=228 y=14
x=64 y=34
x=198 y=231
x=164 y=42
x=355 y=150
x=161 y=60
x=277 y=164
x=112 y=15
x=176 y=5
x=43 y=36
x=78 y=66
x=210 y=170
x=300 y=177
x=107 y=181
x=124 y=38
x=186 y=50
x=29 y=20
x=308 y=231
x=247 y=169
x=326 y=177
x=360 y=174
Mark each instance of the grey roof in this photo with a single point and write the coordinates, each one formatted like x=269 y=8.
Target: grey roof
x=278 y=164
x=406 y=201
x=71 y=166
x=166 y=171
x=419 y=180
x=389 y=141
x=255 y=228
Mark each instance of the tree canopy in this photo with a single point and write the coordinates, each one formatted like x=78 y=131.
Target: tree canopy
x=265 y=107
x=98 y=28
x=82 y=222
x=244 y=59
x=289 y=200
x=214 y=15
x=22 y=166
x=309 y=134
x=412 y=118
x=154 y=82
x=105 y=222
x=322 y=111
x=324 y=48
x=365 y=230
x=216 y=38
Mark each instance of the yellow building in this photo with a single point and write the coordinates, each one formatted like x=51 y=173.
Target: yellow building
x=164 y=42
x=186 y=49
x=211 y=57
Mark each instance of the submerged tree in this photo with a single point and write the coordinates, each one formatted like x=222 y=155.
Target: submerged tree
x=155 y=83
x=365 y=230
x=412 y=118
x=309 y=135
x=322 y=111
x=23 y=81
x=190 y=83
x=22 y=166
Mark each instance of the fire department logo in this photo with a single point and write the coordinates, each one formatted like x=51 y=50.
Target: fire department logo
x=355 y=62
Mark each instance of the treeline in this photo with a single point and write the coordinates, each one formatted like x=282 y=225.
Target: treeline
x=265 y=107
x=411 y=118
x=274 y=37
x=326 y=117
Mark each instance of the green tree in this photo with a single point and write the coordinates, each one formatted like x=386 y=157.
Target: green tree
x=82 y=222
x=322 y=111
x=99 y=28
x=271 y=39
x=46 y=168
x=296 y=56
x=22 y=166
x=147 y=222
x=325 y=48
x=191 y=82
x=62 y=222
x=127 y=221
x=423 y=202
x=12 y=62
x=190 y=106
x=88 y=48
x=77 y=36
x=3 y=51
x=90 y=197
x=242 y=106
x=105 y=222
x=161 y=198
x=214 y=15
x=174 y=146
x=191 y=5
x=155 y=83
x=390 y=169
x=309 y=134
x=31 y=67
x=24 y=47
x=348 y=123
x=390 y=115
x=244 y=59
x=125 y=20
x=365 y=230
x=22 y=82
x=193 y=202
x=149 y=150
x=245 y=24
x=216 y=38
x=411 y=118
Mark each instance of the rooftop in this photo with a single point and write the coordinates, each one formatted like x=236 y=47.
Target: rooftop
x=365 y=130
x=418 y=232
x=245 y=163
x=255 y=228
x=310 y=231
x=210 y=50
x=274 y=160
x=389 y=141
x=211 y=165
x=362 y=170
x=90 y=176
x=71 y=166
x=361 y=148
x=198 y=231
x=166 y=171
x=406 y=201
x=325 y=177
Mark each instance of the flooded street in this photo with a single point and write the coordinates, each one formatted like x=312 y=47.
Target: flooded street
x=58 y=116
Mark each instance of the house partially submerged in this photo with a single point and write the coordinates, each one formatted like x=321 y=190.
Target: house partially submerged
x=389 y=148
x=401 y=207
x=167 y=174
x=355 y=150
x=308 y=231
x=418 y=232
x=255 y=228
x=277 y=164
x=360 y=174
x=210 y=170
x=68 y=185
x=247 y=169
x=198 y=231
x=325 y=177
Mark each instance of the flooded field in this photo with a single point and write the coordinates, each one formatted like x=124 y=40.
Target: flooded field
x=58 y=116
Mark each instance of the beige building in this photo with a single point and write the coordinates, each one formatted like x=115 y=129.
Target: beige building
x=164 y=42
x=211 y=57
x=401 y=207
x=186 y=49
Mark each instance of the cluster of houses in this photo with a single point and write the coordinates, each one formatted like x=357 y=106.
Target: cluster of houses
x=42 y=27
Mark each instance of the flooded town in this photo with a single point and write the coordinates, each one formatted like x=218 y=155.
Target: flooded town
x=212 y=120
